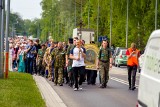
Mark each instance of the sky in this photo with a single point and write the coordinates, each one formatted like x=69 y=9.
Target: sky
x=28 y=9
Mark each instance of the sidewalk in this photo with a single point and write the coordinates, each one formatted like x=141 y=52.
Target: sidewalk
x=49 y=95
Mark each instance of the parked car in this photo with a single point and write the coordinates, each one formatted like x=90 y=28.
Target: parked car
x=116 y=52
x=121 y=58
x=149 y=84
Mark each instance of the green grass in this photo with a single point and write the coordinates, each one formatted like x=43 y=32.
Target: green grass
x=20 y=90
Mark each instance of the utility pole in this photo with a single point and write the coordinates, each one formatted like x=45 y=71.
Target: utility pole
x=98 y=21
x=81 y=9
x=2 y=38
x=88 y=13
x=110 y=23
x=156 y=6
x=75 y=14
x=127 y=25
x=7 y=43
x=1 y=49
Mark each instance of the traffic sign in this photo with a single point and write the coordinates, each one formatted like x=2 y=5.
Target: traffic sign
x=101 y=38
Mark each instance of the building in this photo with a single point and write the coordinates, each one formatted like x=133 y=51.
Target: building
x=85 y=34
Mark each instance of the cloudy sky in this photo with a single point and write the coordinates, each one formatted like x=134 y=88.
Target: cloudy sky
x=28 y=9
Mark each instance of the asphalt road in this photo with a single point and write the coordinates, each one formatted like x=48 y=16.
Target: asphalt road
x=115 y=95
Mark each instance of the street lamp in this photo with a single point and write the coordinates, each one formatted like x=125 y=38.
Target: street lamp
x=127 y=26
x=13 y=29
x=98 y=21
x=156 y=6
x=110 y=22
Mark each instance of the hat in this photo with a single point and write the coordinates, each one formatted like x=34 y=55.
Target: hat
x=70 y=40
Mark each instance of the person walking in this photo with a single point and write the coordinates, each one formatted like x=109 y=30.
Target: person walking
x=132 y=63
x=58 y=56
x=104 y=62
x=78 y=55
x=39 y=60
x=31 y=51
x=48 y=60
x=69 y=61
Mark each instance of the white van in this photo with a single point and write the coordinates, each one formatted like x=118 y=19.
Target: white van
x=149 y=86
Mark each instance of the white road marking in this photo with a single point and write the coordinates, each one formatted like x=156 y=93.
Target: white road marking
x=121 y=81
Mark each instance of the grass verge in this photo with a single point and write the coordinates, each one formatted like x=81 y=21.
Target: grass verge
x=20 y=90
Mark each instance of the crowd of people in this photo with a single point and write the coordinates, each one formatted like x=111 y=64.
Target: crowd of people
x=65 y=62
x=57 y=61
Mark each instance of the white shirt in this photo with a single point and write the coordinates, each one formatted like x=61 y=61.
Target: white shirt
x=75 y=53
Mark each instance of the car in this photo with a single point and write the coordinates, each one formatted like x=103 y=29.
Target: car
x=116 y=52
x=149 y=84
x=121 y=58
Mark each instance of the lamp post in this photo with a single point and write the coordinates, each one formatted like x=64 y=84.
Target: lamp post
x=110 y=23
x=7 y=44
x=156 y=6
x=88 y=14
x=13 y=28
x=127 y=26
x=98 y=21
x=2 y=36
x=2 y=13
x=75 y=13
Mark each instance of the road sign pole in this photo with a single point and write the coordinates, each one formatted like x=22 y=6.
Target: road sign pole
x=7 y=43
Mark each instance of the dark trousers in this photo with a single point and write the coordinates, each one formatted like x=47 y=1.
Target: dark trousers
x=66 y=74
x=132 y=75
x=34 y=66
x=40 y=68
x=30 y=65
x=26 y=65
x=70 y=77
x=91 y=76
x=78 y=72
x=52 y=73
x=14 y=63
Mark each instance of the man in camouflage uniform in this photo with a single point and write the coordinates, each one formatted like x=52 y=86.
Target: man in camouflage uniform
x=58 y=56
x=104 y=63
x=40 y=56
x=48 y=60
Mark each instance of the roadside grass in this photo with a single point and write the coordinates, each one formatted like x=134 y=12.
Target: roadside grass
x=20 y=90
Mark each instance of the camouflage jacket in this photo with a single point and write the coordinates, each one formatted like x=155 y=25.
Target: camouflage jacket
x=47 y=56
x=68 y=53
x=41 y=53
x=58 y=57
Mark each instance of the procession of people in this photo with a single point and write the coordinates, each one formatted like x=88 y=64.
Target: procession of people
x=59 y=62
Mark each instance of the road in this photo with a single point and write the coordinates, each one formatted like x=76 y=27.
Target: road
x=115 y=95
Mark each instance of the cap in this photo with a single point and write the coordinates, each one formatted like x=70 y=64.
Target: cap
x=70 y=40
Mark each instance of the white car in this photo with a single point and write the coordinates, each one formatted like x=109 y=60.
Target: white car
x=149 y=85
